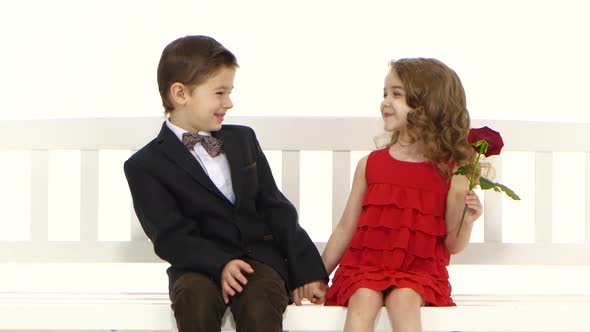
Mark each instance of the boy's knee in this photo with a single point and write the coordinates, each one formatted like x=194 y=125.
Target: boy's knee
x=259 y=311
x=260 y=308
x=262 y=300
x=196 y=290
x=197 y=304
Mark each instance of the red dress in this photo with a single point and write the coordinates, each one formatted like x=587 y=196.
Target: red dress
x=400 y=235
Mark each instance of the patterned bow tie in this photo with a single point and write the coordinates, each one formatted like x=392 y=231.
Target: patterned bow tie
x=211 y=144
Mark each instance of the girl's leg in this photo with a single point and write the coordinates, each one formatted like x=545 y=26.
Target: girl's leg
x=363 y=307
x=403 y=307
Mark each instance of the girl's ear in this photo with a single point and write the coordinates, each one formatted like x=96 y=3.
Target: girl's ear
x=179 y=93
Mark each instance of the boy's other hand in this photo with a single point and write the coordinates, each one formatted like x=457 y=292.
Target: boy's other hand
x=232 y=278
x=297 y=294
x=314 y=291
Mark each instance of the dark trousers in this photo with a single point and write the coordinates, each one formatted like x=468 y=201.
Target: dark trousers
x=198 y=304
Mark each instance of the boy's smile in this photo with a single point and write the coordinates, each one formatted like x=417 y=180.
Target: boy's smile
x=205 y=107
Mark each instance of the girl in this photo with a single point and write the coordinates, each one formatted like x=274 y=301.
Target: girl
x=397 y=232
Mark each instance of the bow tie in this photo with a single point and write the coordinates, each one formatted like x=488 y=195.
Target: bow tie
x=211 y=144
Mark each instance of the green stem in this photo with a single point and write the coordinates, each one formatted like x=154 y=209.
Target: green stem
x=461 y=224
x=471 y=185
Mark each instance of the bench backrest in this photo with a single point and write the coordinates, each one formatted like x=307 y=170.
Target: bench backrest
x=91 y=141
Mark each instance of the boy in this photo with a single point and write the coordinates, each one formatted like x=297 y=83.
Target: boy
x=210 y=205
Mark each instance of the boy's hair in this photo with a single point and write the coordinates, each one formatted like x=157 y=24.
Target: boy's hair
x=190 y=60
x=439 y=115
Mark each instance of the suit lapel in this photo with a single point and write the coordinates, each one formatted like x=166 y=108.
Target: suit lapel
x=173 y=149
x=231 y=148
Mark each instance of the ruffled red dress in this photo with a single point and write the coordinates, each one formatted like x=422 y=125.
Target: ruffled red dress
x=400 y=235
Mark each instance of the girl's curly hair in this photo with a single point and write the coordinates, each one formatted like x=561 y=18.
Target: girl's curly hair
x=439 y=116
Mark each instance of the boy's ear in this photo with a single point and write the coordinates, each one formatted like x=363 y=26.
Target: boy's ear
x=179 y=93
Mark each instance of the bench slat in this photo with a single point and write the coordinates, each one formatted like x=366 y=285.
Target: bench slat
x=493 y=216
x=543 y=197
x=39 y=194
x=89 y=197
x=340 y=184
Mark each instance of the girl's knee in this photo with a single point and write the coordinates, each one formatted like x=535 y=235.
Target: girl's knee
x=365 y=302
x=368 y=296
x=403 y=299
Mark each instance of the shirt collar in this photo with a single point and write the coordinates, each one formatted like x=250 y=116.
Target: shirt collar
x=179 y=131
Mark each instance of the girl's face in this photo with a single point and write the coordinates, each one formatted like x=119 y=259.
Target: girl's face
x=394 y=108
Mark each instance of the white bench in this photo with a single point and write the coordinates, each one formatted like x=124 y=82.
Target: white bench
x=88 y=312
x=67 y=310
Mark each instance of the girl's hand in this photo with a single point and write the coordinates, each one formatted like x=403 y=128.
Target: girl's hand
x=474 y=208
x=314 y=291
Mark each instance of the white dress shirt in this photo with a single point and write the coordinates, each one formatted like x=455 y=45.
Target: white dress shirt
x=216 y=168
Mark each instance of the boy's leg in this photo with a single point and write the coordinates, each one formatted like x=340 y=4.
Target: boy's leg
x=263 y=301
x=197 y=303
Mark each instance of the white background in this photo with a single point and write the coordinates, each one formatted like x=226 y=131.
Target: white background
x=524 y=60
x=517 y=59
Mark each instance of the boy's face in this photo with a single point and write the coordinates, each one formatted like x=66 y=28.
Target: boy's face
x=206 y=106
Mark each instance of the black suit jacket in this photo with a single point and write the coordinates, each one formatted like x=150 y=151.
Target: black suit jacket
x=194 y=227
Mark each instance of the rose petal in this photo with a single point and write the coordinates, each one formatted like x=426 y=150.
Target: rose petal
x=494 y=139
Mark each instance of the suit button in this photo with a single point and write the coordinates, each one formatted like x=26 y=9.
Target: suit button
x=249 y=251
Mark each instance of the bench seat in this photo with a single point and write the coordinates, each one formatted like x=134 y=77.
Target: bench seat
x=151 y=312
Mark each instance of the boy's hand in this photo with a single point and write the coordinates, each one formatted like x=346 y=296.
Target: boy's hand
x=232 y=278
x=314 y=291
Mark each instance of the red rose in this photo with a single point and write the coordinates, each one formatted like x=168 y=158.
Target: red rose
x=492 y=137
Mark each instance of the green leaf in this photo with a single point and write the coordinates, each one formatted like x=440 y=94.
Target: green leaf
x=486 y=184
x=463 y=170
x=508 y=192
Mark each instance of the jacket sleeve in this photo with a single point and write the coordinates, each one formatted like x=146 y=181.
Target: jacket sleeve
x=176 y=239
x=303 y=259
